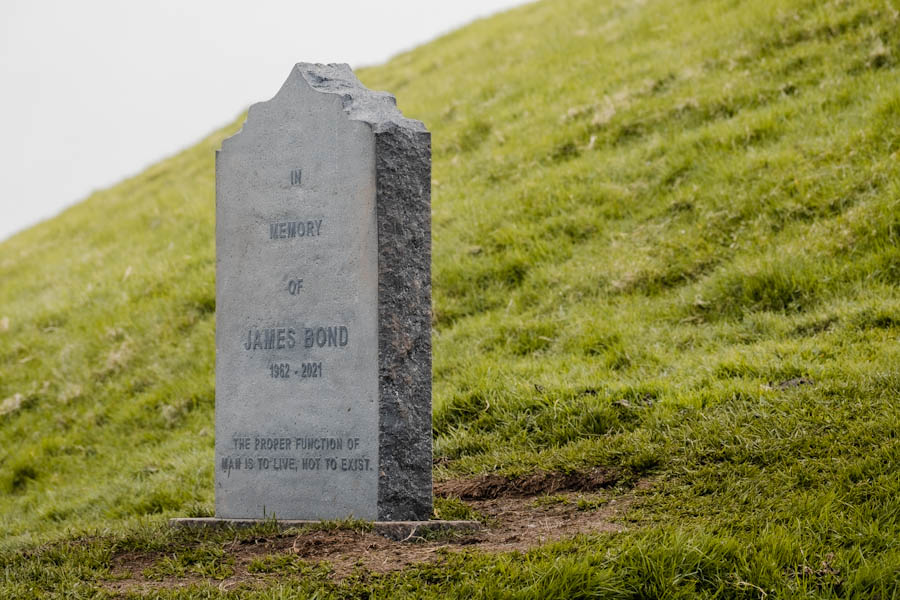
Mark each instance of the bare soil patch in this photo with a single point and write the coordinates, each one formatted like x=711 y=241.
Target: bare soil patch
x=541 y=482
x=515 y=520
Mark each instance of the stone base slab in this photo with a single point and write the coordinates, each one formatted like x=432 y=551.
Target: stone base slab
x=400 y=531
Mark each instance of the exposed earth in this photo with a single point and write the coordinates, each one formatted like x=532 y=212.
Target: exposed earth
x=517 y=514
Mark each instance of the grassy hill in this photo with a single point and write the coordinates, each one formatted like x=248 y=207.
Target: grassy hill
x=666 y=243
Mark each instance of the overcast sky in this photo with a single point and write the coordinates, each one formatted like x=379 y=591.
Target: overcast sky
x=96 y=90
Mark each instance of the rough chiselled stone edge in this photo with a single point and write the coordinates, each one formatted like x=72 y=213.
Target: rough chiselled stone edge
x=396 y=530
x=378 y=109
x=403 y=214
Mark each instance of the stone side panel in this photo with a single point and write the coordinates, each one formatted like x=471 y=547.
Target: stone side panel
x=403 y=213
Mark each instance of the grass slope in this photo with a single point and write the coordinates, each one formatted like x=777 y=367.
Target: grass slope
x=647 y=215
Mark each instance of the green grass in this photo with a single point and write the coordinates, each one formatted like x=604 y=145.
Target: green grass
x=647 y=215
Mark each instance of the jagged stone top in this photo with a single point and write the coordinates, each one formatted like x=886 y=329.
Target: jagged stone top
x=379 y=109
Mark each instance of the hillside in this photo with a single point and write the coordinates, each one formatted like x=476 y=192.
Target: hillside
x=666 y=245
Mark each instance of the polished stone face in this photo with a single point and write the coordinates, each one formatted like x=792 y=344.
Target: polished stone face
x=304 y=342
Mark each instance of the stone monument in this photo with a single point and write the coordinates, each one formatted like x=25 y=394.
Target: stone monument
x=323 y=307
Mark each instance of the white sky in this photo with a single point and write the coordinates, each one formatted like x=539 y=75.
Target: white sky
x=94 y=91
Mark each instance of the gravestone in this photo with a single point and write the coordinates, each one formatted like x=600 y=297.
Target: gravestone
x=323 y=307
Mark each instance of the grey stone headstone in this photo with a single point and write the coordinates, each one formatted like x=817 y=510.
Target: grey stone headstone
x=323 y=306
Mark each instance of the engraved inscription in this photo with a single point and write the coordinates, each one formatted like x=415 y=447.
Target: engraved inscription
x=293 y=229
x=285 y=338
x=325 y=336
x=280 y=370
x=295 y=177
x=271 y=338
x=294 y=286
x=298 y=453
x=310 y=370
